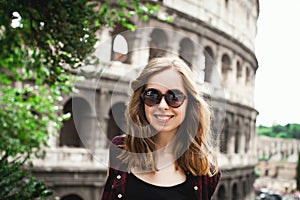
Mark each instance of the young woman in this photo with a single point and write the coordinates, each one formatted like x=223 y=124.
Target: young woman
x=165 y=152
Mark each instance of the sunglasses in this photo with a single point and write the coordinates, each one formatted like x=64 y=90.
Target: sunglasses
x=173 y=98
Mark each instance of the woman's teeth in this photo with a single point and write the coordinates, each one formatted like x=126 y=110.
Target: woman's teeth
x=160 y=117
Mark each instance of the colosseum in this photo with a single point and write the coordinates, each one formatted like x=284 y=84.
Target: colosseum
x=216 y=38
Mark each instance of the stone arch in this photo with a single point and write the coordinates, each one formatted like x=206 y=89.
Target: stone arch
x=186 y=51
x=239 y=71
x=72 y=128
x=116 y=122
x=226 y=66
x=244 y=188
x=248 y=75
x=237 y=136
x=71 y=197
x=121 y=45
x=158 y=43
x=221 y=193
x=246 y=184
x=224 y=138
x=209 y=62
x=226 y=3
x=235 y=192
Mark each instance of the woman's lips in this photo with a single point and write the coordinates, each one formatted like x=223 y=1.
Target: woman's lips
x=163 y=118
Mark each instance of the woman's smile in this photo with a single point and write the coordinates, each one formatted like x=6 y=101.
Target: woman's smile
x=163 y=117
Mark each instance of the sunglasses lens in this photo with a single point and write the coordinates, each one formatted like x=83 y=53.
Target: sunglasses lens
x=151 y=97
x=175 y=98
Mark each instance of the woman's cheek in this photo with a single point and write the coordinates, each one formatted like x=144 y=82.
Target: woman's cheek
x=148 y=114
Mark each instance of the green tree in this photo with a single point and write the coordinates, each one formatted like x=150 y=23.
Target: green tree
x=39 y=41
x=278 y=128
x=288 y=131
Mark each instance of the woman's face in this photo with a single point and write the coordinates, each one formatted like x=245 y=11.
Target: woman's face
x=163 y=117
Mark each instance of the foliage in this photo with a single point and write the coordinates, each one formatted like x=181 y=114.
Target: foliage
x=40 y=42
x=14 y=179
x=288 y=131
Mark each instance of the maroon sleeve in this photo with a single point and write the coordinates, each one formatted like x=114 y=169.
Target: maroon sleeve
x=112 y=186
x=205 y=185
x=213 y=182
x=118 y=140
x=116 y=149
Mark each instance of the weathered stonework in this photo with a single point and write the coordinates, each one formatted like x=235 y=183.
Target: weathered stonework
x=277 y=164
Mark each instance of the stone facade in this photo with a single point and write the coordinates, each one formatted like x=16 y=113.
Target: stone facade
x=277 y=164
x=217 y=39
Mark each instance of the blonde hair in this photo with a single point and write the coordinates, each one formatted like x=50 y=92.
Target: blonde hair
x=192 y=147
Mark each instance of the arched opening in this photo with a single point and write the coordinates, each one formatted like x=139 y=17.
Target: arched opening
x=239 y=71
x=77 y=125
x=248 y=75
x=71 y=197
x=120 y=48
x=209 y=62
x=245 y=186
x=186 y=51
x=221 y=194
x=267 y=172
x=120 y=45
x=235 y=194
x=226 y=3
x=226 y=66
x=158 y=44
x=116 y=123
x=224 y=137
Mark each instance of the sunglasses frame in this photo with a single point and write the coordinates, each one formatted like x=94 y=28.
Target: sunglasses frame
x=167 y=99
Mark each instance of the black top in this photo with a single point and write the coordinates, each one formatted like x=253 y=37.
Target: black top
x=137 y=189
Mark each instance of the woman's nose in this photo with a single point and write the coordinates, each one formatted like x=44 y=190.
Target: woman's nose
x=163 y=104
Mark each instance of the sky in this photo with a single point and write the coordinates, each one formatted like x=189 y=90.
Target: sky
x=277 y=48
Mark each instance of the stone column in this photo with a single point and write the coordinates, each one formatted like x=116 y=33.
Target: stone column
x=140 y=48
x=103 y=112
x=231 y=140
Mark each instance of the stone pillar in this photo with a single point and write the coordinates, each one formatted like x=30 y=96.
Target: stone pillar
x=52 y=141
x=252 y=145
x=140 y=48
x=103 y=46
x=103 y=112
x=231 y=140
x=217 y=128
x=85 y=131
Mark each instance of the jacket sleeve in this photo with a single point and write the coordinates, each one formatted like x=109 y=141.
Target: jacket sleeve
x=115 y=150
x=206 y=185
x=114 y=166
x=213 y=183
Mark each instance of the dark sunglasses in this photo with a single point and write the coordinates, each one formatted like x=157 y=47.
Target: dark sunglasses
x=174 y=98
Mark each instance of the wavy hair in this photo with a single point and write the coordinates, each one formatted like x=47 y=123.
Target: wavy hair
x=192 y=146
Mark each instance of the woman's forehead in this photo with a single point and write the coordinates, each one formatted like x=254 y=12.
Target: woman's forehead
x=166 y=79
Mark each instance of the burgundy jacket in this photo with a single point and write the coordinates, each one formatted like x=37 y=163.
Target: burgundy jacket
x=115 y=187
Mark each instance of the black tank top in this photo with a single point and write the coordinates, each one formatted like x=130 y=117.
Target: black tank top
x=137 y=189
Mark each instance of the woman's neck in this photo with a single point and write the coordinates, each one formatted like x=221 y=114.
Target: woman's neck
x=164 y=139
